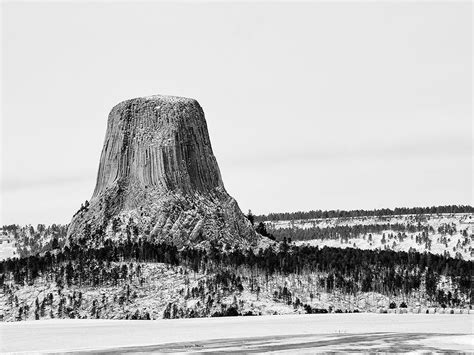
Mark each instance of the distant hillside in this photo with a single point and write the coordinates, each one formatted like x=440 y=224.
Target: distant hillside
x=449 y=234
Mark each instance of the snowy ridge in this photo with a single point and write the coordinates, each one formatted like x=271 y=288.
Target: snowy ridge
x=444 y=234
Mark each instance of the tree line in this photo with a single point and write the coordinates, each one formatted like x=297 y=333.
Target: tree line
x=347 y=232
x=289 y=216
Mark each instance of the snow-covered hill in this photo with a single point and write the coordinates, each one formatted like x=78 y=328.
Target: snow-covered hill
x=157 y=290
x=444 y=234
x=21 y=241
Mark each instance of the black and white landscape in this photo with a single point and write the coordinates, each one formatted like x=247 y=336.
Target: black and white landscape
x=343 y=130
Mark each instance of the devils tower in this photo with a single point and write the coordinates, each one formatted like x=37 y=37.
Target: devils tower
x=158 y=176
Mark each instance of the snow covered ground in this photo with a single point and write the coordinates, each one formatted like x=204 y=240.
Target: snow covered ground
x=7 y=249
x=458 y=242
x=289 y=333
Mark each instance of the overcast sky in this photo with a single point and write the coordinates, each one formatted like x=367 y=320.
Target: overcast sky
x=309 y=105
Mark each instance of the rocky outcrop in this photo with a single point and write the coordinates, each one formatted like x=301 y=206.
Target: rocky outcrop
x=158 y=174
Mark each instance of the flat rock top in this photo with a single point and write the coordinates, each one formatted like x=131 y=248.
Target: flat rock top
x=167 y=98
x=158 y=99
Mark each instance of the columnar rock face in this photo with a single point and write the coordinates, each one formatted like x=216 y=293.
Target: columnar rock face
x=158 y=177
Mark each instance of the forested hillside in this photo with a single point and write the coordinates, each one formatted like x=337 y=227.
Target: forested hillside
x=139 y=279
x=446 y=234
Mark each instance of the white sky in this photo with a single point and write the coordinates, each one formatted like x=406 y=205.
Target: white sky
x=309 y=105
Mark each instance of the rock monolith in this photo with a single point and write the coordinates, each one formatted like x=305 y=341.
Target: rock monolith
x=158 y=178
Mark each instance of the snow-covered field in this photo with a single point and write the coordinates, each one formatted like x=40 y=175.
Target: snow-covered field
x=458 y=241
x=288 y=333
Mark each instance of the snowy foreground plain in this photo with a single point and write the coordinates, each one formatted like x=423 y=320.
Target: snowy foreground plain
x=354 y=332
